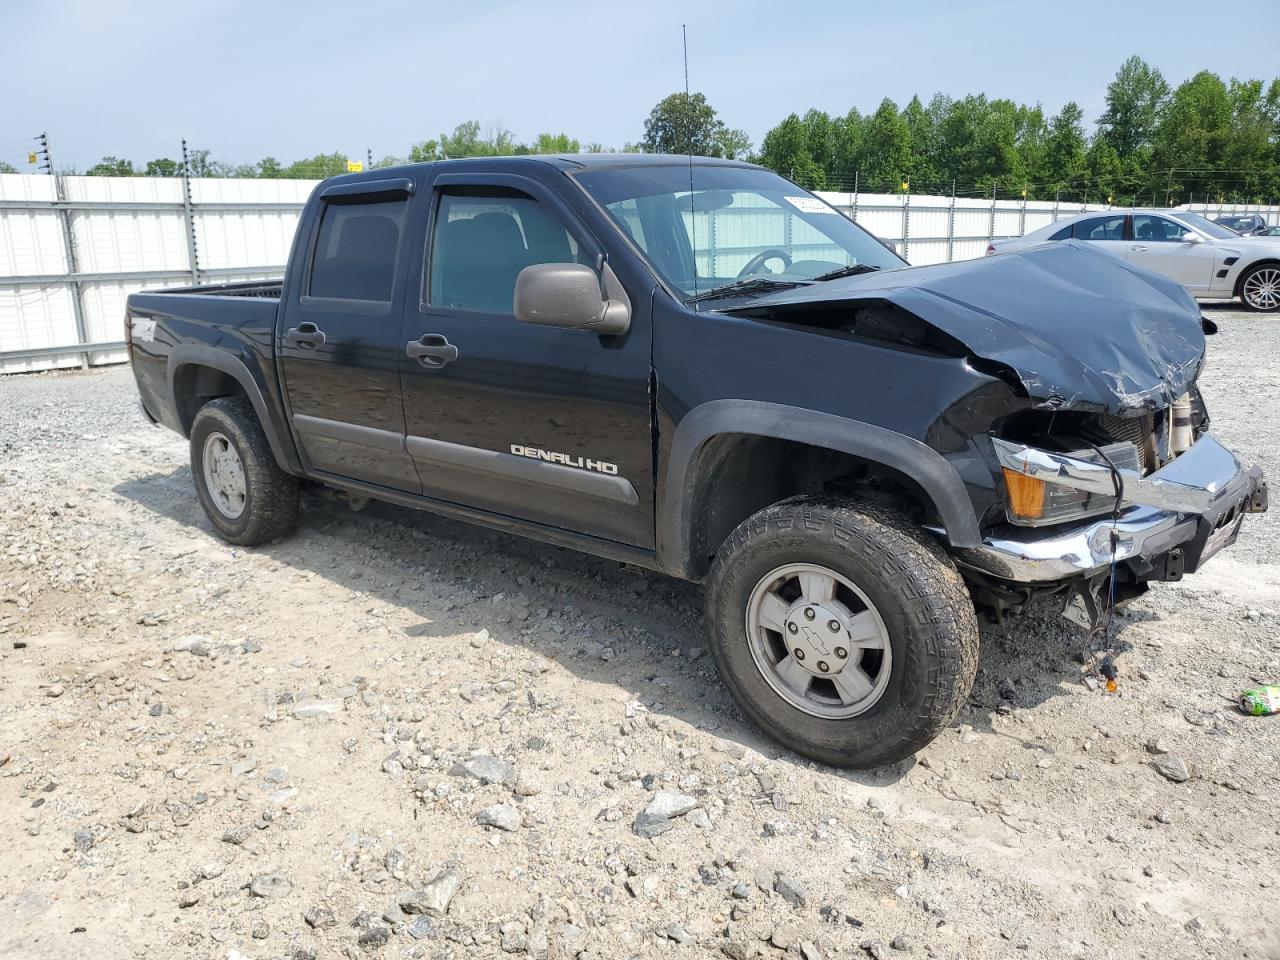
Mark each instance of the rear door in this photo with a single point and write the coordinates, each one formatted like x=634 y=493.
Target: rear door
x=544 y=424
x=338 y=342
x=1158 y=245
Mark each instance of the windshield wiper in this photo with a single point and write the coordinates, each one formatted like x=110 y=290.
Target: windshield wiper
x=744 y=288
x=850 y=271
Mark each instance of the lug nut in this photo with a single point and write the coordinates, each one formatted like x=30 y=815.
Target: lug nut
x=792 y=628
x=799 y=653
x=822 y=666
x=833 y=626
x=808 y=613
x=842 y=653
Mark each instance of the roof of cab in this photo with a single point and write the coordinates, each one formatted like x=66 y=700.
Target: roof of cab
x=566 y=162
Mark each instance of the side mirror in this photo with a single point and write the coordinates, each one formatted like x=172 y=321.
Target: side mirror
x=1191 y=237
x=567 y=295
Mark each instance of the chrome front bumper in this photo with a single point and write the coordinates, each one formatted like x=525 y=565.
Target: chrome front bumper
x=1207 y=476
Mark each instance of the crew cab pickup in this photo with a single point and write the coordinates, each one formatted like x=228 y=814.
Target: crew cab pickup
x=699 y=367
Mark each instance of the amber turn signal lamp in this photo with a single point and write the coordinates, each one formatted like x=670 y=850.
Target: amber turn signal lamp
x=1026 y=494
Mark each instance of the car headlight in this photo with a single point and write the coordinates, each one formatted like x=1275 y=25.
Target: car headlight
x=1034 y=501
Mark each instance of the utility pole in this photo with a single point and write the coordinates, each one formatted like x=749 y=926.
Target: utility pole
x=368 y=155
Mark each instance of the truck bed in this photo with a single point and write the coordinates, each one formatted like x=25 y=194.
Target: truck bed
x=267 y=289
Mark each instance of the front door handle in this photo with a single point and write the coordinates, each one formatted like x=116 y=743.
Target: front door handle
x=1138 y=248
x=431 y=350
x=305 y=335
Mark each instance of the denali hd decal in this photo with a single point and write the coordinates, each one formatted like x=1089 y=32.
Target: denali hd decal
x=567 y=459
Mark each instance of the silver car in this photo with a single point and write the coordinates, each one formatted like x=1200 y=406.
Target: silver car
x=1212 y=262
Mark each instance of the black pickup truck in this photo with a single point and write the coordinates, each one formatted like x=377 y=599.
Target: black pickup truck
x=699 y=367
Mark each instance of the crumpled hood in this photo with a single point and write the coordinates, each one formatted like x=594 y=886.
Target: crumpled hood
x=1079 y=328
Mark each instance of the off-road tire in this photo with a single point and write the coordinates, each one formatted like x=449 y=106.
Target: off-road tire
x=271 y=495
x=917 y=591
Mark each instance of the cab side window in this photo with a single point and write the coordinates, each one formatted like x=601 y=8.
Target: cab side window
x=1100 y=228
x=355 y=252
x=482 y=240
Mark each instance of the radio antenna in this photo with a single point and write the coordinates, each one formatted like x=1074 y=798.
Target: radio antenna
x=688 y=105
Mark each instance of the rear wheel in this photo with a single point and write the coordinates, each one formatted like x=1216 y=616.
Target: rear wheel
x=842 y=630
x=1260 y=288
x=245 y=494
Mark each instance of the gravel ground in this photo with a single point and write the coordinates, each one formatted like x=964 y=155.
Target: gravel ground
x=394 y=735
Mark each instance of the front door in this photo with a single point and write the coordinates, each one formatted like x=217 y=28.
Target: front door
x=339 y=343
x=1158 y=245
x=540 y=423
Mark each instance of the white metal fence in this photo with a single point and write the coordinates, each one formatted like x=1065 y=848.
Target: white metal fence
x=73 y=248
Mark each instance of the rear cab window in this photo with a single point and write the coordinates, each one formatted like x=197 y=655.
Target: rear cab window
x=355 y=251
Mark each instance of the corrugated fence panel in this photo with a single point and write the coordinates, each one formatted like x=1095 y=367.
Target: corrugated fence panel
x=233 y=238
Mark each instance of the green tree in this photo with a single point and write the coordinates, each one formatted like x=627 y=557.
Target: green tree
x=683 y=123
x=269 y=168
x=884 y=157
x=1195 y=133
x=1105 y=172
x=163 y=167
x=1135 y=99
x=786 y=149
x=1252 y=140
x=923 y=166
x=465 y=141
x=318 y=167
x=201 y=165
x=1064 y=152
x=551 y=143
x=979 y=142
x=6 y=167
x=425 y=151
x=111 y=167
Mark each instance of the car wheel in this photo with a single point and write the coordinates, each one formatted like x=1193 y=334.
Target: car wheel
x=245 y=494
x=1260 y=288
x=842 y=630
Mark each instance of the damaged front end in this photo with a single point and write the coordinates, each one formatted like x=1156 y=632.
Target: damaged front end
x=1093 y=473
x=1156 y=527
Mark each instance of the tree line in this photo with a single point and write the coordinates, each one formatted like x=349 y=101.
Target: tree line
x=1205 y=139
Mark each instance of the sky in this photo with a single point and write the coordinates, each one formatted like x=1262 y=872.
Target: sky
x=292 y=78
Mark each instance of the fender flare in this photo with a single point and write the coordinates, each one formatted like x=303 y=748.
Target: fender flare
x=194 y=354
x=922 y=463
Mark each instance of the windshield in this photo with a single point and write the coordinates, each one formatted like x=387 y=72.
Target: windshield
x=736 y=224
x=1207 y=226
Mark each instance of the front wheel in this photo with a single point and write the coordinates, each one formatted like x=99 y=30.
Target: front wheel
x=842 y=630
x=245 y=494
x=1260 y=288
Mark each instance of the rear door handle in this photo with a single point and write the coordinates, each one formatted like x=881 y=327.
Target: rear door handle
x=431 y=350
x=305 y=335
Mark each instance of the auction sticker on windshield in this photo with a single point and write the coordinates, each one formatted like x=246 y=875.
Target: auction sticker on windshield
x=809 y=205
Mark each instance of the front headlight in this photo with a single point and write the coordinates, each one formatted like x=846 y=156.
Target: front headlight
x=1035 y=502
